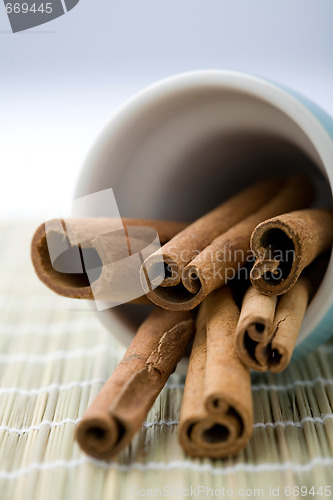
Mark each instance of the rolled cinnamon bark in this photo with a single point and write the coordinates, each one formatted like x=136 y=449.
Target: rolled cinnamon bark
x=223 y=258
x=216 y=415
x=282 y=325
x=287 y=323
x=186 y=245
x=285 y=245
x=102 y=242
x=273 y=350
x=255 y=326
x=120 y=408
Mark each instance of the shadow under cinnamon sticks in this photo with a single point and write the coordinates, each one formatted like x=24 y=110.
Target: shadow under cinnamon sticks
x=216 y=416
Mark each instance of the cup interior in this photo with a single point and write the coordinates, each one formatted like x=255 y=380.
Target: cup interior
x=178 y=150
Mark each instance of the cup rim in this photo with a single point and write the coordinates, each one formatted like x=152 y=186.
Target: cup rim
x=260 y=88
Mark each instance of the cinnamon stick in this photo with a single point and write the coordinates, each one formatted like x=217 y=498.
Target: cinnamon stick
x=186 y=245
x=285 y=245
x=122 y=405
x=220 y=260
x=101 y=241
x=270 y=345
x=273 y=348
x=287 y=323
x=216 y=414
x=255 y=326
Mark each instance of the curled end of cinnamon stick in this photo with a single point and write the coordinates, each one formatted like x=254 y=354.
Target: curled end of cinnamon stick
x=74 y=285
x=285 y=245
x=173 y=292
x=159 y=266
x=185 y=296
x=277 y=249
x=255 y=328
x=248 y=352
x=222 y=433
x=279 y=357
x=192 y=278
x=173 y=298
x=273 y=352
x=99 y=434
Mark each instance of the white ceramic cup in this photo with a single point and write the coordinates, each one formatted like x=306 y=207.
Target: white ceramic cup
x=182 y=145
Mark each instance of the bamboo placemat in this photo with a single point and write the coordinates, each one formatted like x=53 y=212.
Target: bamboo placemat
x=55 y=356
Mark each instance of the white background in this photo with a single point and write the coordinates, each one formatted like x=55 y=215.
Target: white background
x=61 y=82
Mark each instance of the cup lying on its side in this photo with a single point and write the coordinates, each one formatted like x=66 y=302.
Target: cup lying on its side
x=183 y=145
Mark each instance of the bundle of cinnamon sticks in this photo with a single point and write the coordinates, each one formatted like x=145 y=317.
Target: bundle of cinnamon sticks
x=236 y=283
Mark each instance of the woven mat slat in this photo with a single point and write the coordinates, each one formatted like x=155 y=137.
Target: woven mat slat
x=54 y=358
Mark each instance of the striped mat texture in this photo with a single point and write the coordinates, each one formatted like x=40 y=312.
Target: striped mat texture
x=54 y=358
